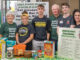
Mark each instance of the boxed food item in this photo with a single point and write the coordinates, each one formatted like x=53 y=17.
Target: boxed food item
x=49 y=49
x=3 y=38
x=19 y=49
x=27 y=54
x=2 y=48
x=10 y=43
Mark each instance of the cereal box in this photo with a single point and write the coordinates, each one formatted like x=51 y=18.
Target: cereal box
x=2 y=48
x=49 y=49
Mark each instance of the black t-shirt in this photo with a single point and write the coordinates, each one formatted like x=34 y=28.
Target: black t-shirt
x=41 y=27
x=77 y=26
x=24 y=32
x=66 y=22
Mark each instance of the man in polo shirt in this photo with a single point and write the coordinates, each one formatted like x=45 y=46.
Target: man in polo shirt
x=54 y=21
x=66 y=20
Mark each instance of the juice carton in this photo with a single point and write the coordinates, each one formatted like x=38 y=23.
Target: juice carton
x=49 y=49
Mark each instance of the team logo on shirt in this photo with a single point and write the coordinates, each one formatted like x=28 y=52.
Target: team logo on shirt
x=61 y=22
x=23 y=31
x=68 y=22
x=54 y=24
x=40 y=24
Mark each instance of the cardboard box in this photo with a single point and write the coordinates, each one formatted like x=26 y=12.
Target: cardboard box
x=49 y=49
x=2 y=48
x=10 y=43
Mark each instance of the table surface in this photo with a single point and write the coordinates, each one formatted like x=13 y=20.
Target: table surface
x=18 y=58
x=56 y=58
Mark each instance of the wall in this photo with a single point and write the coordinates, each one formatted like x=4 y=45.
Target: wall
x=73 y=3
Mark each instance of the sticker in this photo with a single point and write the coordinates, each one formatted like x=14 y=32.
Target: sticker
x=61 y=22
x=68 y=22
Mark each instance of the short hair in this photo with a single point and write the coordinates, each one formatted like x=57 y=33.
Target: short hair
x=56 y=6
x=65 y=4
x=24 y=12
x=41 y=5
x=10 y=13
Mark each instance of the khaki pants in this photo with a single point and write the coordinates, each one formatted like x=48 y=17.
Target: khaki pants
x=38 y=45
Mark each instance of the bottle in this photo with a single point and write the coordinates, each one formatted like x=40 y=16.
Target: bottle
x=39 y=53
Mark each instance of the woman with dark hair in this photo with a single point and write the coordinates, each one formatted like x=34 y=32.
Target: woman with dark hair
x=76 y=17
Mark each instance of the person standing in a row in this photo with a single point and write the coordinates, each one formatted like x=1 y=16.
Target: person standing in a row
x=76 y=17
x=42 y=27
x=8 y=29
x=54 y=22
x=25 y=32
x=66 y=20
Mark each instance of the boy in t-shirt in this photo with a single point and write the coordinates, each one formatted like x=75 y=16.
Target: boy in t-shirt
x=25 y=32
x=42 y=27
x=66 y=20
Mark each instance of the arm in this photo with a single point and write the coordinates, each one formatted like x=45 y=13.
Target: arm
x=1 y=35
x=48 y=29
x=48 y=36
x=57 y=30
x=31 y=35
x=29 y=39
x=72 y=26
x=2 y=30
x=17 y=39
x=73 y=23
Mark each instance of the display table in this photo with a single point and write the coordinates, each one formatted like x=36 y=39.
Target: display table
x=56 y=58
x=36 y=59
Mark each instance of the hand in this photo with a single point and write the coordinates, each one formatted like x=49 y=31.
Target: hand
x=47 y=40
x=23 y=43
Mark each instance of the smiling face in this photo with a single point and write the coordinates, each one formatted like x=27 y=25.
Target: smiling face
x=65 y=9
x=24 y=19
x=10 y=18
x=77 y=16
x=55 y=9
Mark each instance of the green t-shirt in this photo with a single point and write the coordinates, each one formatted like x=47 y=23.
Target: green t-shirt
x=54 y=23
x=8 y=30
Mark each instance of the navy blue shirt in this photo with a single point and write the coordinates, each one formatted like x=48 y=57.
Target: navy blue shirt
x=66 y=22
x=24 y=32
x=77 y=26
x=41 y=27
